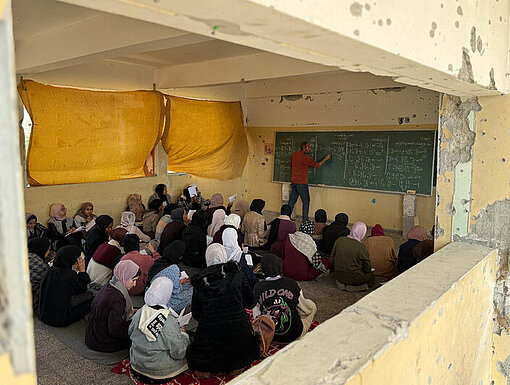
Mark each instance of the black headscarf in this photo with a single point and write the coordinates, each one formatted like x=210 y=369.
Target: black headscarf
x=155 y=204
x=30 y=217
x=169 y=208
x=321 y=216
x=39 y=246
x=177 y=215
x=342 y=219
x=159 y=190
x=199 y=219
x=286 y=210
x=131 y=242
x=257 y=205
x=66 y=257
x=171 y=256
x=103 y=221
x=271 y=265
x=185 y=192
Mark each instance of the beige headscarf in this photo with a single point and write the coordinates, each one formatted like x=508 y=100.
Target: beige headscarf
x=215 y=254
x=135 y=206
x=241 y=208
x=218 y=220
x=56 y=211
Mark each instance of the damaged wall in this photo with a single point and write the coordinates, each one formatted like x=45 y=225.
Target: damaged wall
x=342 y=101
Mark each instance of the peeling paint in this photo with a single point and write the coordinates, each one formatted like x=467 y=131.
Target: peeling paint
x=473 y=39
x=466 y=70
x=492 y=82
x=356 y=9
x=291 y=98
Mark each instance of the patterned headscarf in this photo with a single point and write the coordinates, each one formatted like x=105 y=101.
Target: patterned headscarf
x=136 y=206
x=307 y=227
x=417 y=232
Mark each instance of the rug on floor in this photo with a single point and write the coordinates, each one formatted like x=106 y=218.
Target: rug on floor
x=189 y=378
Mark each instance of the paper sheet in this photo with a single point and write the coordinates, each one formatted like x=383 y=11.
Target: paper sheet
x=192 y=191
x=232 y=198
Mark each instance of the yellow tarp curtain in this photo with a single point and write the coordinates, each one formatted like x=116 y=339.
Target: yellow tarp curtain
x=206 y=139
x=90 y=136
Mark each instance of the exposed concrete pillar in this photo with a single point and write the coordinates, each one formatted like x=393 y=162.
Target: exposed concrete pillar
x=16 y=332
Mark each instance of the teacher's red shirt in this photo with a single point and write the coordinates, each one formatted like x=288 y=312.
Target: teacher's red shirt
x=300 y=162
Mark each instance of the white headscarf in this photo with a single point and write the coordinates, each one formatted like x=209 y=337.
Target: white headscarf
x=215 y=254
x=232 y=248
x=218 y=220
x=159 y=292
x=233 y=220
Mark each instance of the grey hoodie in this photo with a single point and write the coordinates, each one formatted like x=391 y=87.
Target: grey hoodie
x=161 y=355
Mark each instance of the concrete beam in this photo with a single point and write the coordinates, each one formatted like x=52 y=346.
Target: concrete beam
x=101 y=37
x=460 y=50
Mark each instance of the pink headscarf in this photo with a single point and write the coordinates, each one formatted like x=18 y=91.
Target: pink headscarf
x=56 y=211
x=417 y=232
x=216 y=200
x=358 y=231
x=218 y=220
x=125 y=270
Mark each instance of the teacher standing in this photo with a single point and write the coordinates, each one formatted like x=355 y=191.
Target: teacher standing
x=300 y=163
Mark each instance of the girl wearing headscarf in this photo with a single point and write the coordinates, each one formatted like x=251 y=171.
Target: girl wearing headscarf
x=38 y=251
x=224 y=339
x=136 y=206
x=111 y=311
x=62 y=229
x=63 y=296
x=158 y=344
x=196 y=202
x=254 y=226
x=84 y=215
x=218 y=220
x=97 y=235
x=282 y=299
x=423 y=249
x=406 y=259
x=382 y=254
x=165 y=220
x=167 y=267
x=217 y=204
x=195 y=237
x=34 y=228
x=127 y=221
x=232 y=221
x=279 y=229
x=241 y=208
x=351 y=258
x=332 y=232
x=235 y=254
x=173 y=231
x=103 y=261
x=131 y=245
x=301 y=259
x=161 y=192
x=151 y=217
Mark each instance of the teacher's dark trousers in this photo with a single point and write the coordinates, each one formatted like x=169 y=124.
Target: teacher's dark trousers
x=300 y=190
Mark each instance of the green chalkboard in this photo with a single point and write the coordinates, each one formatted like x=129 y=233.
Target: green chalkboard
x=392 y=161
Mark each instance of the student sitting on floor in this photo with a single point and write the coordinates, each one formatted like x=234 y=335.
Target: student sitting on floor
x=331 y=232
x=224 y=340
x=195 y=202
x=351 y=258
x=282 y=299
x=152 y=216
x=406 y=259
x=103 y=261
x=279 y=229
x=241 y=208
x=321 y=217
x=232 y=221
x=111 y=311
x=84 y=215
x=236 y=254
x=195 y=237
x=167 y=267
x=301 y=259
x=38 y=251
x=254 y=226
x=136 y=206
x=158 y=344
x=97 y=235
x=423 y=249
x=62 y=229
x=161 y=192
x=64 y=298
x=131 y=247
x=127 y=221
x=173 y=231
x=34 y=228
x=382 y=254
x=218 y=220
x=164 y=220
x=216 y=203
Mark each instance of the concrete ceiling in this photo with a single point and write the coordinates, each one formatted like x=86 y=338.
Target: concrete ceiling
x=53 y=38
